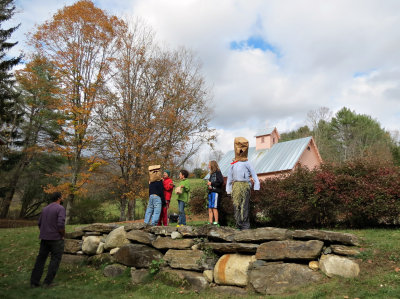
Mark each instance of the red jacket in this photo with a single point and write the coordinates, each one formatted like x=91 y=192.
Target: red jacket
x=168 y=187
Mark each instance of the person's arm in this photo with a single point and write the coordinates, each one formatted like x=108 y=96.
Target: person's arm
x=168 y=185
x=254 y=176
x=162 y=194
x=185 y=185
x=229 y=181
x=61 y=222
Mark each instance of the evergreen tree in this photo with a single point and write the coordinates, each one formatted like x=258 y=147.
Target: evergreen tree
x=10 y=115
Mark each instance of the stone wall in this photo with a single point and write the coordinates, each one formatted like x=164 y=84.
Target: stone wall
x=264 y=260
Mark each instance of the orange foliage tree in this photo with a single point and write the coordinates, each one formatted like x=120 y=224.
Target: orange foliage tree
x=154 y=112
x=80 y=41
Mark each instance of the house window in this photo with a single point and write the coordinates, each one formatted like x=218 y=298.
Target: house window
x=262 y=139
x=273 y=140
x=308 y=148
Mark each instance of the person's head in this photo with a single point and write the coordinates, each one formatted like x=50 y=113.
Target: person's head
x=166 y=174
x=55 y=196
x=183 y=174
x=213 y=166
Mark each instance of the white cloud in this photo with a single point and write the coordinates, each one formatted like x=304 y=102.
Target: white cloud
x=331 y=53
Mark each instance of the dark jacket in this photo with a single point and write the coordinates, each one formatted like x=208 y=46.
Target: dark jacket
x=217 y=181
x=157 y=188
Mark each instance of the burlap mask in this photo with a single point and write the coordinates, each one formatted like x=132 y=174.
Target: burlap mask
x=155 y=173
x=241 y=149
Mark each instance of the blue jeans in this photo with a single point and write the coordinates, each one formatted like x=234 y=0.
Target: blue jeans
x=182 y=216
x=153 y=210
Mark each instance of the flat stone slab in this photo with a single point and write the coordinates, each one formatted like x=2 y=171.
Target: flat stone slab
x=140 y=236
x=332 y=237
x=190 y=231
x=344 y=250
x=74 y=235
x=162 y=230
x=137 y=225
x=217 y=233
x=99 y=227
x=289 y=250
x=277 y=278
x=262 y=234
x=189 y=260
x=231 y=247
x=169 y=243
x=137 y=255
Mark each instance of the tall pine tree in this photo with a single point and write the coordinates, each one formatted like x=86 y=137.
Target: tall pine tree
x=9 y=112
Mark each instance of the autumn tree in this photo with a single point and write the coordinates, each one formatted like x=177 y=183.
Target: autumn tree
x=155 y=108
x=80 y=41
x=38 y=98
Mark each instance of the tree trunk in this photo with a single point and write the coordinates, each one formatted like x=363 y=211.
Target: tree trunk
x=122 y=215
x=12 y=186
x=131 y=209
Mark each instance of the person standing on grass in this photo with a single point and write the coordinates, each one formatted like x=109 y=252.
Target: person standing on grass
x=183 y=191
x=52 y=231
x=156 y=196
x=241 y=176
x=168 y=187
x=214 y=184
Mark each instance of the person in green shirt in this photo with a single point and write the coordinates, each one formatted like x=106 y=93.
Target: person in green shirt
x=183 y=196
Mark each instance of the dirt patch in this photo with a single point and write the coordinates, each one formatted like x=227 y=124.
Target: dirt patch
x=14 y=223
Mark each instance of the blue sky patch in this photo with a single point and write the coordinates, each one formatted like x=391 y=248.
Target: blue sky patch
x=254 y=42
x=363 y=74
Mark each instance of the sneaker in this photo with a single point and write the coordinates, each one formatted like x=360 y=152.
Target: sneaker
x=178 y=225
x=208 y=223
x=216 y=224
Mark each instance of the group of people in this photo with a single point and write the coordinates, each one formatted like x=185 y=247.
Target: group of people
x=160 y=192
x=241 y=177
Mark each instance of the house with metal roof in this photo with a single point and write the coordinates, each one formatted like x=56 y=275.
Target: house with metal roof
x=272 y=158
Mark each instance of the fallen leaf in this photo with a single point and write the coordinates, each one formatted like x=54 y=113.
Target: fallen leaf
x=397 y=269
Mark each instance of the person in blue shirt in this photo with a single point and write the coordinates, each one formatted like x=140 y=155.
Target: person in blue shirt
x=240 y=177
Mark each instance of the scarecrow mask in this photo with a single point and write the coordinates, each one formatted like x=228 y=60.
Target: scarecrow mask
x=241 y=149
x=155 y=173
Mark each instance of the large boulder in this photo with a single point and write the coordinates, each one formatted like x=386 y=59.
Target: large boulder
x=276 y=277
x=231 y=247
x=137 y=255
x=232 y=269
x=262 y=234
x=90 y=244
x=140 y=237
x=289 y=250
x=72 y=246
x=169 y=243
x=189 y=260
x=332 y=237
x=337 y=265
x=116 y=238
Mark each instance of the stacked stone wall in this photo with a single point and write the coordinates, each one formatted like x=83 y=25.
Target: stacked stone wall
x=264 y=260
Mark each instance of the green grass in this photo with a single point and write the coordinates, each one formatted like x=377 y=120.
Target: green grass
x=379 y=258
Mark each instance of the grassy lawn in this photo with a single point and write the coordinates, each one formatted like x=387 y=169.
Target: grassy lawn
x=379 y=277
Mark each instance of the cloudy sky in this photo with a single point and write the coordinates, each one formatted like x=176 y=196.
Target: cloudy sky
x=270 y=62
